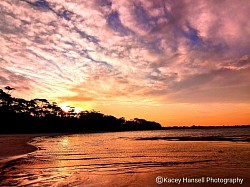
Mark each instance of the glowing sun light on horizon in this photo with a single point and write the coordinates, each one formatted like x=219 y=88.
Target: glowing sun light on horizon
x=77 y=109
x=65 y=107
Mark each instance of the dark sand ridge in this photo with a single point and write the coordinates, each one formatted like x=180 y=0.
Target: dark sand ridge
x=206 y=138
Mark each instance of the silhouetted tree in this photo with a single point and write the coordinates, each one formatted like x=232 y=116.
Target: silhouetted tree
x=9 y=89
x=39 y=115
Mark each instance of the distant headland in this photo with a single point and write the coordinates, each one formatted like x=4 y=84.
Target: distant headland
x=205 y=127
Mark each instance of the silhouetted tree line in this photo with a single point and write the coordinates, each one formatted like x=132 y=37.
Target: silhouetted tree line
x=39 y=116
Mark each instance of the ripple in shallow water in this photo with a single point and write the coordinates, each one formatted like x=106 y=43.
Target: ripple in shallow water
x=123 y=158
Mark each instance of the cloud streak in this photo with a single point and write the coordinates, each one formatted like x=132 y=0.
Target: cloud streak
x=105 y=50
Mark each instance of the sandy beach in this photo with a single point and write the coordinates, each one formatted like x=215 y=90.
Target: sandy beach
x=15 y=144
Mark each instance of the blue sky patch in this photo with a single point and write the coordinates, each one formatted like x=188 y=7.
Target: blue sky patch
x=41 y=4
x=192 y=35
x=115 y=23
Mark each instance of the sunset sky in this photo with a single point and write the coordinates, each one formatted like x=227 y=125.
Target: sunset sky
x=182 y=62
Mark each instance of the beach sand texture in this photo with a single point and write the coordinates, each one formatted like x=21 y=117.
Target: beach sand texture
x=14 y=145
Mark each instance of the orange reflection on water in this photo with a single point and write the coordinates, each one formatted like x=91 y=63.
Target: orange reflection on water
x=123 y=158
x=64 y=142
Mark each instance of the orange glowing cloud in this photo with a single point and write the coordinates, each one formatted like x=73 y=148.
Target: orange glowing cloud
x=131 y=57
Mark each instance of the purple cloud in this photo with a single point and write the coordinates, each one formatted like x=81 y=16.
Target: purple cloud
x=169 y=51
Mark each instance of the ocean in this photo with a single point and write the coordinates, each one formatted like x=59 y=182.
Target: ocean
x=181 y=157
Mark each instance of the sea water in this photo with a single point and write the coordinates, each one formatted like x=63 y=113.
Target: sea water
x=140 y=158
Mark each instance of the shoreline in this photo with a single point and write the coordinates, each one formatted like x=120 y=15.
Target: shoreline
x=16 y=145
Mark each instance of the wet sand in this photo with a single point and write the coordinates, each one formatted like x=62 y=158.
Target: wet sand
x=15 y=144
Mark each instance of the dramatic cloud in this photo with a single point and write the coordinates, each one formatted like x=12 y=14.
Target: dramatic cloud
x=117 y=51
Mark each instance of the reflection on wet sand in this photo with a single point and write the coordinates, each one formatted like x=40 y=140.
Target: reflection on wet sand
x=125 y=159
